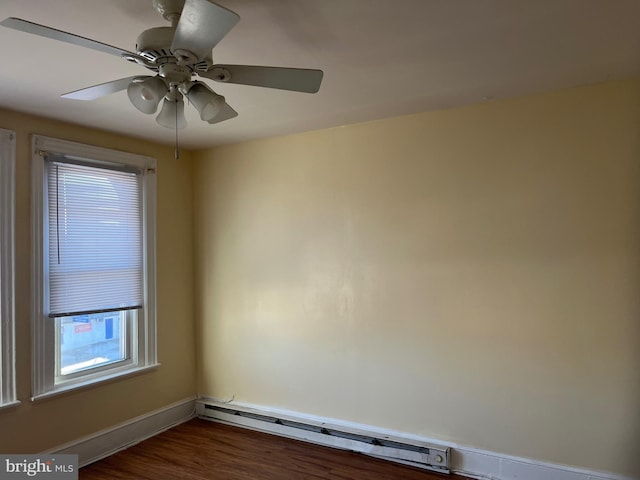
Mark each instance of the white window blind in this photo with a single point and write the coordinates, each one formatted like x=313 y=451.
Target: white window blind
x=95 y=238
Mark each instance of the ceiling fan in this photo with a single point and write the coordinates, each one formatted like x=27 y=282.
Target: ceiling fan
x=177 y=54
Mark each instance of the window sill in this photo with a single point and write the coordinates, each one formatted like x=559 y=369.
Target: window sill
x=63 y=389
x=9 y=405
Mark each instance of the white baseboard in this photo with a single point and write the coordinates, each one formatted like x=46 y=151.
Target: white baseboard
x=111 y=440
x=464 y=460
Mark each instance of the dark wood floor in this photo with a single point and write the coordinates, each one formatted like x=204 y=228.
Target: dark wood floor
x=203 y=450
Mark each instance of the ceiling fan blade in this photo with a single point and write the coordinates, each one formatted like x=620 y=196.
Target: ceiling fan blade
x=102 y=90
x=43 y=31
x=294 y=79
x=226 y=113
x=201 y=26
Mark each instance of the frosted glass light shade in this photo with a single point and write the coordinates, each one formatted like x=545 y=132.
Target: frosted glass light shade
x=172 y=114
x=207 y=102
x=146 y=95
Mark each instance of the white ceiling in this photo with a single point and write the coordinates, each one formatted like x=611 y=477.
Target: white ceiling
x=380 y=58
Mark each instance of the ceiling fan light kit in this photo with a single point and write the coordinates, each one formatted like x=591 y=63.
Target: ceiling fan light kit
x=207 y=102
x=176 y=55
x=145 y=94
x=172 y=113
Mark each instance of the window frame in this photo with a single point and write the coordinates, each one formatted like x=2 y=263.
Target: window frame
x=43 y=328
x=7 y=268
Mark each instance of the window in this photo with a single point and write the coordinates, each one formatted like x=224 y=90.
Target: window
x=94 y=262
x=7 y=376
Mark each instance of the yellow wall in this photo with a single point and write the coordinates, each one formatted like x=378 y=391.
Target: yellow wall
x=48 y=423
x=471 y=275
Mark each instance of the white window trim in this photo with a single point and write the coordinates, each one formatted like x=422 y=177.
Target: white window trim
x=7 y=309
x=43 y=379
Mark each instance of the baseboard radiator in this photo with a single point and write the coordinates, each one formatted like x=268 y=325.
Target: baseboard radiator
x=401 y=450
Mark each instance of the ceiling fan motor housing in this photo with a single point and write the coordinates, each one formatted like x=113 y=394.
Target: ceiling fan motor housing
x=156 y=41
x=154 y=44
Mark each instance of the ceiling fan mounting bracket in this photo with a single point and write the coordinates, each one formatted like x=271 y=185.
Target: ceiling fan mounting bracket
x=220 y=74
x=185 y=57
x=140 y=60
x=169 y=9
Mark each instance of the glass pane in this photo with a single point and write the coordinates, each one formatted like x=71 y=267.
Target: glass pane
x=90 y=341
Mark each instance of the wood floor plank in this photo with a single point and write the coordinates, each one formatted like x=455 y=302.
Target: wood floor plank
x=204 y=450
